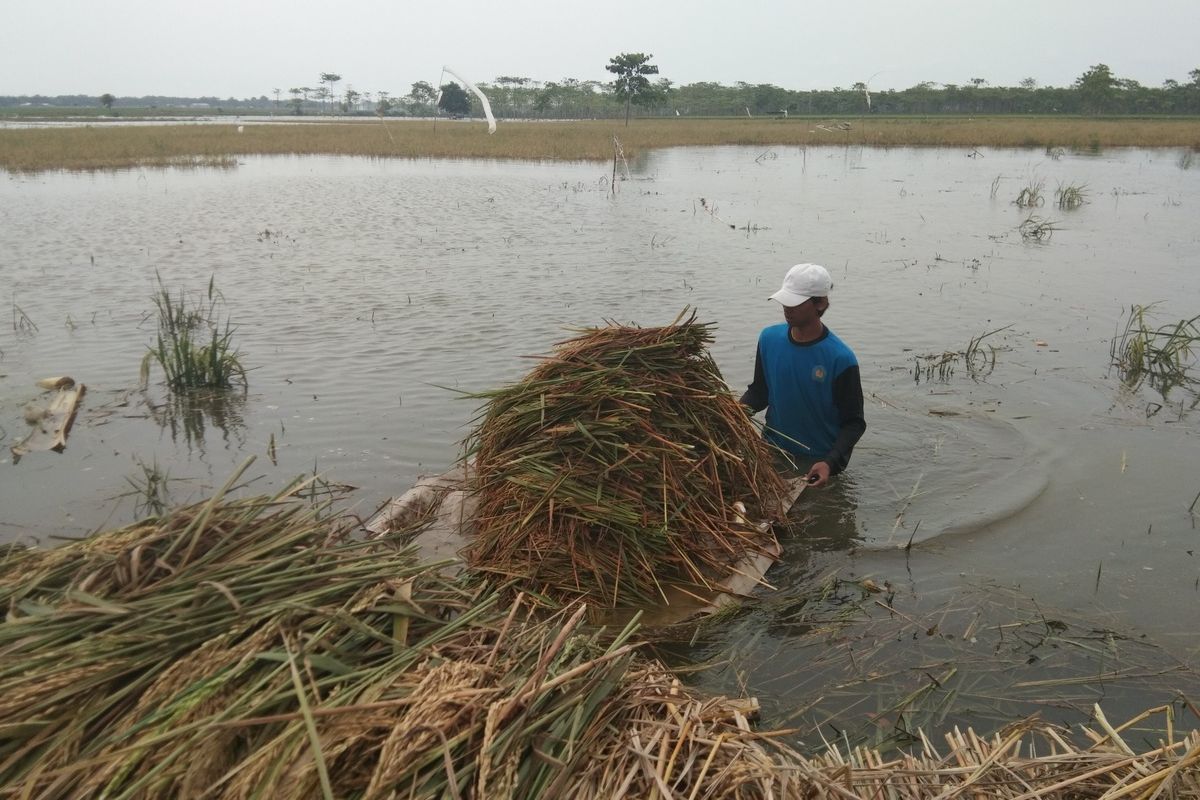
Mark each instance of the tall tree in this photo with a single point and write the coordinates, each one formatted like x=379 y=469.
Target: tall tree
x=107 y=100
x=423 y=93
x=631 y=84
x=1096 y=88
x=331 y=78
x=455 y=99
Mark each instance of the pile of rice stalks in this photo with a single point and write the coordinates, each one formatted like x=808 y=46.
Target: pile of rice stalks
x=612 y=471
x=246 y=648
x=250 y=648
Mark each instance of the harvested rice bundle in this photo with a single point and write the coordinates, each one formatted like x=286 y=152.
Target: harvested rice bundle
x=611 y=472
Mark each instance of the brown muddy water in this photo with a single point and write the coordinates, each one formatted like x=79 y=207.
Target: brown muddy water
x=1054 y=561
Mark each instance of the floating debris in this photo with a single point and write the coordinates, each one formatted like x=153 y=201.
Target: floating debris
x=51 y=421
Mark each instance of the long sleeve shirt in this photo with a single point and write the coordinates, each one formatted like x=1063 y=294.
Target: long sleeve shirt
x=812 y=393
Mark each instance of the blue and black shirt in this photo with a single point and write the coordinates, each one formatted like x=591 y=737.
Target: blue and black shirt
x=812 y=393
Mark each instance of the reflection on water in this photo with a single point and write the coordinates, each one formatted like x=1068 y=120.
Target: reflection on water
x=370 y=294
x=198 y=418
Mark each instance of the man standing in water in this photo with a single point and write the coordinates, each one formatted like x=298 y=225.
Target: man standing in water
x=807 y=379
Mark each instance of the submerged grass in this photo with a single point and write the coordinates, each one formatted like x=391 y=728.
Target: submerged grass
x=1031 y=195
x=100 y=146
x=149 y=488
x=979 y=362
x=1071 y=196
x=1162 y=356
x=1037 y=229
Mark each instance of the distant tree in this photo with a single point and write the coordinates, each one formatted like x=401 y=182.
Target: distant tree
x=384 y=105
x=455 y=99
x=977 y=82
x=1096 y=88
x=351 y=98
x=1195 y=76
x=631 y=84
x=107 y=100
x=1028 y=83
x=422 y=93
x=861 y=88
x=277 y=91
x=331 y=78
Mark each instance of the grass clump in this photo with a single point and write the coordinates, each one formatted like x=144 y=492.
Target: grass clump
x=611 y=472
x=192 y=348
x=1031 y=195
x=1071 y=196
x=1161 y=356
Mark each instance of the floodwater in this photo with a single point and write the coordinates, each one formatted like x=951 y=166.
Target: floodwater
x=368 y=295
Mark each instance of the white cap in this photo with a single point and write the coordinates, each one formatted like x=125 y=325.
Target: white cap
x=802 y=282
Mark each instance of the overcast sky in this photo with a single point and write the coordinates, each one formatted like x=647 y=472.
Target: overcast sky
x=245 y=48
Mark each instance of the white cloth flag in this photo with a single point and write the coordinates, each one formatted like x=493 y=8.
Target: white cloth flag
x=487 y=107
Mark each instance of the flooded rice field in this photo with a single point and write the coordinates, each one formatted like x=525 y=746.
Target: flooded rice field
x=1028 y=522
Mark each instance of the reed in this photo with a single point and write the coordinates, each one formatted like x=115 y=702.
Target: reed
x=100 y=146
x=192 y=348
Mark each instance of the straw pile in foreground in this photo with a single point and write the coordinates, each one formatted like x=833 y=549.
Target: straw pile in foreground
x=612 y=471
x=249 y=648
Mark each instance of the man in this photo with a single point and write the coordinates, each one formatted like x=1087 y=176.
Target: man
x=808 y=380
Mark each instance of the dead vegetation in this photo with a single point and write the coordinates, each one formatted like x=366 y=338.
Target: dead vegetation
x=243 y=647
x=99 y=146
x=613 y=472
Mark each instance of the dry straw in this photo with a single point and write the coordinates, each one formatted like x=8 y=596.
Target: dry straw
x=98 y=146
x=610 y=472
x=250 y=648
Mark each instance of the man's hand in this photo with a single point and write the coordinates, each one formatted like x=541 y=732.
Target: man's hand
x=818 y=475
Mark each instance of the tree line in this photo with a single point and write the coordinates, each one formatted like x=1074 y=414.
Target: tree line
x=1096 y=91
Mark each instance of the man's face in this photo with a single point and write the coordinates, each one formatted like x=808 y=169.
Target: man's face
x=813 y=307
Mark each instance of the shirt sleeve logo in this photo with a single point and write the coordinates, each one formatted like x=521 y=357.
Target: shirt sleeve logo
x=818 y=373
